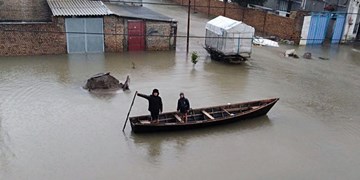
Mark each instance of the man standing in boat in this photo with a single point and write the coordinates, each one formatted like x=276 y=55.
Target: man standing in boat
x=155 y=104
x=183 y=107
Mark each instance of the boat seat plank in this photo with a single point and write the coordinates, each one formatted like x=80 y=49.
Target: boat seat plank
x=177 y=117
x=160 y=120
x=208 y=115
x=227 y=112
x=237 y=109
x=145 y=122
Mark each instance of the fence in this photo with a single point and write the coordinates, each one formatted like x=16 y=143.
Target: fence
x=266 y=23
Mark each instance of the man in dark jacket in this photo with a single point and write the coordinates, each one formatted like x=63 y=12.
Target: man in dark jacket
x=155 y=104
x=183 y=107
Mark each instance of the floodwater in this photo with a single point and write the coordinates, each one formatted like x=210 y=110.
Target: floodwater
x=50 y=128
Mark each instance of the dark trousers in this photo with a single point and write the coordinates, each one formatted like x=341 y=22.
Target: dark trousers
x=154 y=115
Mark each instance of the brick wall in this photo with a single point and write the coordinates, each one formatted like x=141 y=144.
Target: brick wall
x=25 y=10
x=50 y=38
x=114 y=29
x=157 y=36
x=280 y=26
x=33 y=39
x=265 y=24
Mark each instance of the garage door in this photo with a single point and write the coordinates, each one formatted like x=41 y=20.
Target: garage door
x=136 y=31
x=318 y=28
x=84 y=35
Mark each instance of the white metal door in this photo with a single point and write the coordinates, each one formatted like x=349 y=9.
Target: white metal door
x=84 y=35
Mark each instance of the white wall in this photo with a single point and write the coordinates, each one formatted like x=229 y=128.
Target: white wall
x=352 y=16
x=305 y=30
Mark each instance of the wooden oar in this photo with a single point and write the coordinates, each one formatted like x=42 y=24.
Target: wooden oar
x=127 y=117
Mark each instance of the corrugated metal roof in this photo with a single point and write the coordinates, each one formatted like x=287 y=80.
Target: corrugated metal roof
x=78 y=8
x=138 y=12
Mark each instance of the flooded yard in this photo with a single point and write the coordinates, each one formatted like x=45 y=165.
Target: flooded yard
x=50 y=128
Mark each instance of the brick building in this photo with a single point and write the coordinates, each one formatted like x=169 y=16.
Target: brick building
x=307 y=5
x=265 y=23
x=81 y=26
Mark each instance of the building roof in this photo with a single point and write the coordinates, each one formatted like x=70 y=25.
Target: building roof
x=138 y=12
x=98 y=8
x=78 y=8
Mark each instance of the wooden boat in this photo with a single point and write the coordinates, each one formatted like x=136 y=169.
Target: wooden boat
x=202 y=117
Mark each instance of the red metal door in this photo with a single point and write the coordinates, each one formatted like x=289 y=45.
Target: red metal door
x=136 y=35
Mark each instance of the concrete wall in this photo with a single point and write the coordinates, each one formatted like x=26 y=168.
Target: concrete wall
x=24 y=10
x=33 y=39
x=265 y=24
x=305 y=30
x=352 y=19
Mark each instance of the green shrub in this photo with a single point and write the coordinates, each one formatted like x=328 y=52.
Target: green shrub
x=194 y=57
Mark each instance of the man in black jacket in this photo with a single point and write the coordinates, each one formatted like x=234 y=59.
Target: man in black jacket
x=183 y=107
x=155 y=104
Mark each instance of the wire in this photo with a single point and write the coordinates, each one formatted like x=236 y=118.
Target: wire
x=124 y=34
x=113 y=34
x=151 y=35
x=192 y=5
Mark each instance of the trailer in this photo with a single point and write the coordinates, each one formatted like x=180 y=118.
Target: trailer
x=228 y=40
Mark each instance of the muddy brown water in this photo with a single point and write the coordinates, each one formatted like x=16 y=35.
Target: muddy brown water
x=50 y=128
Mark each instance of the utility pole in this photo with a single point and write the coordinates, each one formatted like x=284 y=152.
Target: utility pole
x=188 y=28
x=225 y=1
x=194 y=6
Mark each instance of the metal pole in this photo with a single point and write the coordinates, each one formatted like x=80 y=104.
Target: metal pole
x=127 y=117
x=263 y=30
x=188 y=28
x=208 y=8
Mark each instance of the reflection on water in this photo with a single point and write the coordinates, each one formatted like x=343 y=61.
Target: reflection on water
x=5 y=152
x=154 y=143
x=51 y=128
x=104 y=96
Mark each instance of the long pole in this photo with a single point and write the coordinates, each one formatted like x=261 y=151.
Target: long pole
x=127 y=117
x=188 y=28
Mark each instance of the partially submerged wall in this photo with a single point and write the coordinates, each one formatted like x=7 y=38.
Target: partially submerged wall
x=114 y=34
x=43 y=38
x=158 y=36
x=33 y=38
x=24 y=11
x=265 y=23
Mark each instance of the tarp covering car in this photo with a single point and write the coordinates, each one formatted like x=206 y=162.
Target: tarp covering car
x=229 y=36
